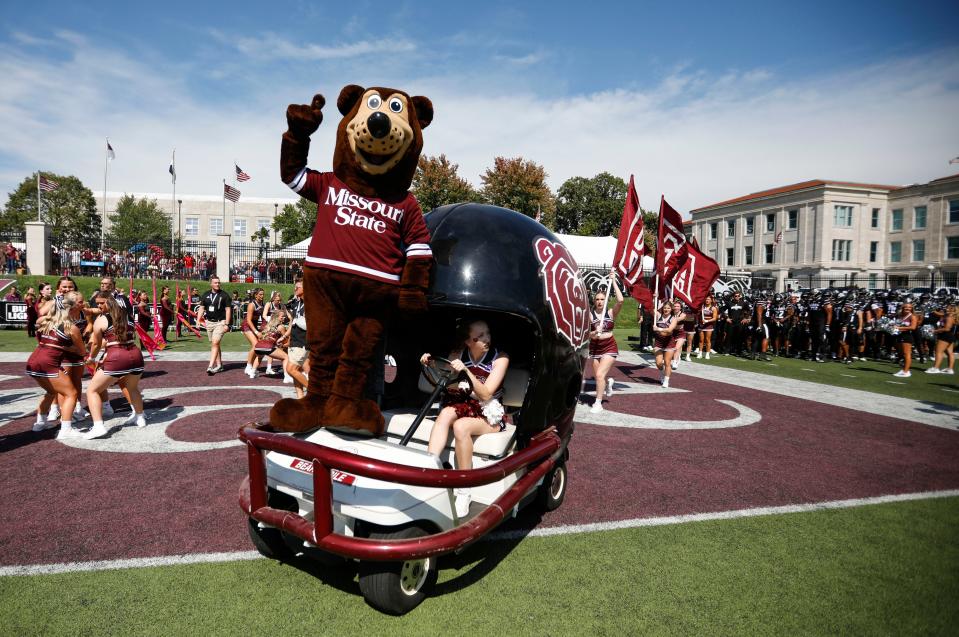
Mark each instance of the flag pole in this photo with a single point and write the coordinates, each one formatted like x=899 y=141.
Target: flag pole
x=224 y=201
x=103 y=213
x=172 y=204
x=38 y=195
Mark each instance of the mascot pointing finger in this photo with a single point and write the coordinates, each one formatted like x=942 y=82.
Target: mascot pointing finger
x=369 y=255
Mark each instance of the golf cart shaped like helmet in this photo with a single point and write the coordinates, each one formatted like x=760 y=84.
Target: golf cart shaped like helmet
x=384 y=501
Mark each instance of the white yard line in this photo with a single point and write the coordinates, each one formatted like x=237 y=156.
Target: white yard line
x=569 y=529
x=901 y=407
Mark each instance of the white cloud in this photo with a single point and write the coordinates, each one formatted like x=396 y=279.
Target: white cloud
x=696 y=137
x=272 y=46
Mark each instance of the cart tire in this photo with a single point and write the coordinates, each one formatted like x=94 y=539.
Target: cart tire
x=396 y=588
x=553 y=490
x=268 y=541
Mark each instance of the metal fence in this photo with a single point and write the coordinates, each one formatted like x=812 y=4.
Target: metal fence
x=262 y=263
x=164 y=259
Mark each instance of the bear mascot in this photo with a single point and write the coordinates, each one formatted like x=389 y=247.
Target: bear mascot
x=369 y=256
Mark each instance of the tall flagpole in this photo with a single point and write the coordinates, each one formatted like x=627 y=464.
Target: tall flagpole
x=38 y=195
x=224 y=201
x=173 y=203
x=103 y=213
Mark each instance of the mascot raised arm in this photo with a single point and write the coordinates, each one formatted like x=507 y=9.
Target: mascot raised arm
x=369 y=255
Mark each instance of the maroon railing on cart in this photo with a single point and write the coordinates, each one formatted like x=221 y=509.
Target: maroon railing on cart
x=253 y=493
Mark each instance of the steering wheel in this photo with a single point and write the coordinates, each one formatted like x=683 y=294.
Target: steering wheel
x=445 y=376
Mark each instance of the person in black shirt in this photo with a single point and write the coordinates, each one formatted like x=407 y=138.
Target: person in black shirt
x=217 y=309
x=297 y=361
x=738 y=315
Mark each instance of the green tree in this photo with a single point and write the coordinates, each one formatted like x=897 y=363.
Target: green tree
x=295 y=222
x=70 y=209
x=138 y=221
x=519 y=185
x=590 y=206
x=263 y=234
x=436 y=183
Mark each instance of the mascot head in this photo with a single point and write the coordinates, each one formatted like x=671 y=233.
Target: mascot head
x=379 y=139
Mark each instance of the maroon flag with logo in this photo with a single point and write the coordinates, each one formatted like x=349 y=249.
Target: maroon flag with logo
x=695 y=277
x=671 y=242
x=630 y=247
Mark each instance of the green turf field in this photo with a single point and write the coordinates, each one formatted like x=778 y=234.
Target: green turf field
x=870 y=570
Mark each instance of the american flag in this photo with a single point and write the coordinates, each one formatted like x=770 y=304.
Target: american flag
x=110 y=154
x=240 y=175
x=48 y=185
x=231 y=193
x=779 y=237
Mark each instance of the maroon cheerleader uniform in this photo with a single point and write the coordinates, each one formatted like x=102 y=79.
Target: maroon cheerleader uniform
x=72 y=359
x=124 y=358
x=706 y=322
x=599 y=347
x=663 y=343
x=257 y=317
x=45 y=361
x=460 y=399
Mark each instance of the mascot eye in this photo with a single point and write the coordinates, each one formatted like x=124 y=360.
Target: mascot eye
x=374 y=101
x=396 y=105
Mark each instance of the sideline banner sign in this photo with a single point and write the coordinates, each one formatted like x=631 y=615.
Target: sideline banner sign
x=13 y=313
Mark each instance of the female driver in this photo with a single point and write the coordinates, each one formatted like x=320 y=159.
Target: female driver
x=123 y=363
x=603 y=349
x=708 y=315
x=907 y=323
x=664 y=347
x=252 y=322
x=57 y=334
x=468 y=413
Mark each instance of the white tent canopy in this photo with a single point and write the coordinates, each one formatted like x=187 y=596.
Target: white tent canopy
x=586 y=250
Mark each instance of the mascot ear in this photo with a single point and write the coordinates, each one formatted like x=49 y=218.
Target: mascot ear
x=348 y=98
x=424 y=110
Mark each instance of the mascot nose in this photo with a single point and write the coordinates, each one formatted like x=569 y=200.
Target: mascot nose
x=379 y=125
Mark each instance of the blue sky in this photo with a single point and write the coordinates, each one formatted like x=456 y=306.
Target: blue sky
x=702 y=101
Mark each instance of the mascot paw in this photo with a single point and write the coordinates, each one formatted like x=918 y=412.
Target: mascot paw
x=412 y=301
x=353 y=413
x=291 y=414
x=303 y=119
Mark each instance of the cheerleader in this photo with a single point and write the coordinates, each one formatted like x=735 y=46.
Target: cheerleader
x=65 y=285
x=273 y=338
x=708 y=315
x=123 y=364
x=679 y=334
x=275 y=304
x=907 y=323
x=252 y=324
x=603 y=349
x=945 y=333
x=57 y=334
x=664 y=346
x=689 y=331
x=166 y=311
x=475 y=413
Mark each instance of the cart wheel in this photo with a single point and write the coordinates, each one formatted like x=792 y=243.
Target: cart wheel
x=397 y=588
x=553 y=490
x=268 y=541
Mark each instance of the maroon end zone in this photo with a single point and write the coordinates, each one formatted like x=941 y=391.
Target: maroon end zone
x=64 y=504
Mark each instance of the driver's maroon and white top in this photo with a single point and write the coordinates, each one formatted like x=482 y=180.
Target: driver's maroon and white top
x=365 y=236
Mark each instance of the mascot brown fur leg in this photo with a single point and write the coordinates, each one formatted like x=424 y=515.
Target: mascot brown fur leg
x=347 y=407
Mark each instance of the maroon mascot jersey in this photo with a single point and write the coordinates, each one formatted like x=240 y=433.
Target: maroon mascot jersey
x=364 y=236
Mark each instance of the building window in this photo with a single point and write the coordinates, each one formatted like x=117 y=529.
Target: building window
x=873 y=280
x=842 y=216
x=919 y=218
x=792 y=219
x=874 y=223
x=841 y=249
x=771 y=222
x=713 y=230
x=239 y=228
x=919 y=250
x=749 y=225
x=895 y=252
x=730 y=228
x=954 y=211
x=262 y=223
x=896 y=219
x=769 y=253
x=191 y=227
x=952 y=247
x=730 y=255
x=216 y=226
x=748 y=256
x=873 y=251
